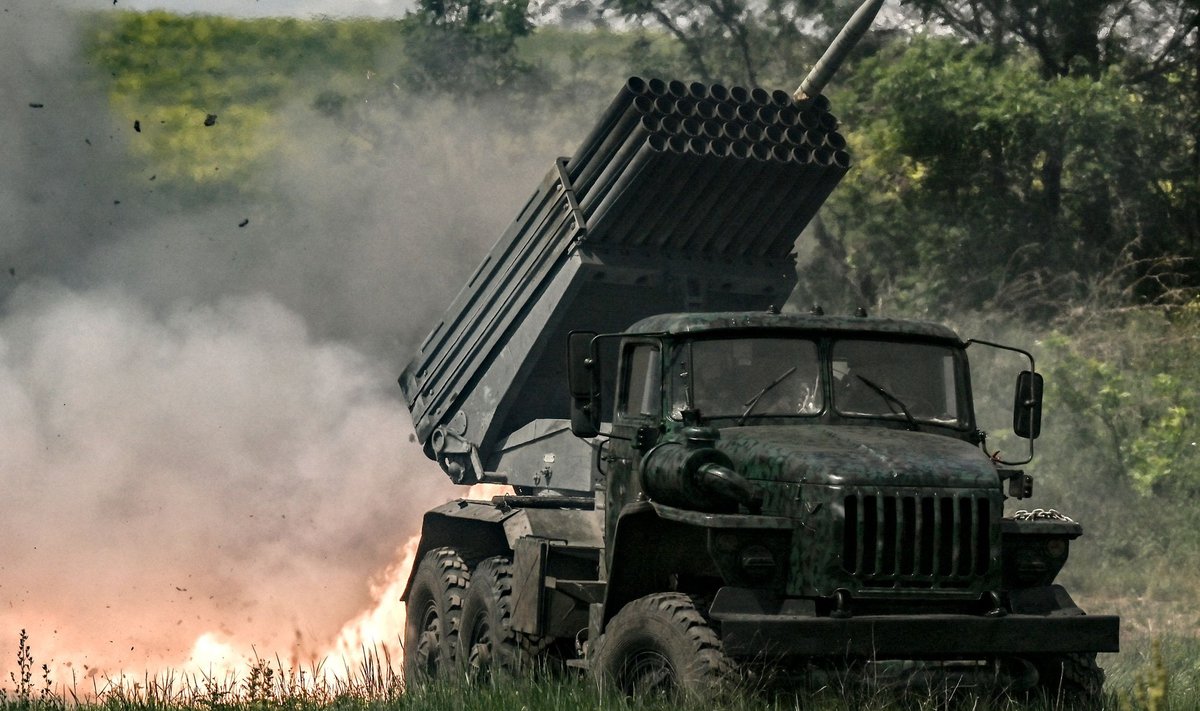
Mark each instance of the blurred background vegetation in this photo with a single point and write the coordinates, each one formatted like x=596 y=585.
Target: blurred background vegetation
x=1027 y=170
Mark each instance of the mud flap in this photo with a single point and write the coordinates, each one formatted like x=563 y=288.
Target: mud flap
x=529 y=585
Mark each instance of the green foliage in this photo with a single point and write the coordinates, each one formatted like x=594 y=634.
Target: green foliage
x=979 y=184
x=1133 y=399
x=734 y=41
x=170 y=72
x=1073 y=37
x=465 y=46
x=1150 y=685
x=1166 y=678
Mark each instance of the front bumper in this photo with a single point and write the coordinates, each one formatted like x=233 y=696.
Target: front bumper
x=915 y=636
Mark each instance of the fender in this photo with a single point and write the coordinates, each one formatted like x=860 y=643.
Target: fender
x=645 y=549
x=653 y=541
x=482 y=529
x=474 y=528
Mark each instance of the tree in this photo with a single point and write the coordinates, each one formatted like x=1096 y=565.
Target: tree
x=1078 y=36
x=950 y=204
x=1152 y=46
x=465 y=46
x=766 y=43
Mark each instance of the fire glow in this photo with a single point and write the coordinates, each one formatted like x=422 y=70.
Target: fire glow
x=374 y=636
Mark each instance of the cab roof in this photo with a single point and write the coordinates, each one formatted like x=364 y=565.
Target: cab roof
x=715 y=322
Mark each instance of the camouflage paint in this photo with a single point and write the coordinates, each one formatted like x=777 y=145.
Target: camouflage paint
x=937 y=497
x=807 y=472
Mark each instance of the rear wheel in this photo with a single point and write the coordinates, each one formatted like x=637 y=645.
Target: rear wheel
x=433 y=613
x=662 y=645
x=487 y=644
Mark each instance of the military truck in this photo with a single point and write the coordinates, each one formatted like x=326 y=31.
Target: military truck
x=703 y=486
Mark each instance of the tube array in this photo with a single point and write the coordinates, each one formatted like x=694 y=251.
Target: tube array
x=705 y=168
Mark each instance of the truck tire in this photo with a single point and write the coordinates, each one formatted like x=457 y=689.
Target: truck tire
x=433 y=612
x=662 y=644
x=1070 y=680
x=487 y=645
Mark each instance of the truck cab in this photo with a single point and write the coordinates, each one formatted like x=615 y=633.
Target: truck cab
x=816 y=487
x=811 y=416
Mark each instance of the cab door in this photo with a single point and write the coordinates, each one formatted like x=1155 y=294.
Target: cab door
x=637 y=420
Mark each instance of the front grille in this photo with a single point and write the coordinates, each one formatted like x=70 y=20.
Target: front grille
x=916 y=541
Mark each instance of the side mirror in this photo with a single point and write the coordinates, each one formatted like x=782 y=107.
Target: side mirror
x=1027 y=405
x=583 y=380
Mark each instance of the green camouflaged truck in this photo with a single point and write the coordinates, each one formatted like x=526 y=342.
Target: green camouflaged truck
x=699 y=487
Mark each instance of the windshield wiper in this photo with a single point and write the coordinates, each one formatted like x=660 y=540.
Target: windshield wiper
x=752 y=402
x=890 y=398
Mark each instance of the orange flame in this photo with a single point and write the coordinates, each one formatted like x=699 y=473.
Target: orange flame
x=375 y=635
x=380 y=629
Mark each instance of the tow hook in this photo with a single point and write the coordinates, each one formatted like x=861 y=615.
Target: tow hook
x=841 y=604
x=997 y=605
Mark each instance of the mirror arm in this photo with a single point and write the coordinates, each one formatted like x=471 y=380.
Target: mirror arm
x=1032 y=369
x=1032 y=366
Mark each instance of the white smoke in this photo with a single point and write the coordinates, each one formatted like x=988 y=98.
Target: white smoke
x=203 y=444
x=213 y=468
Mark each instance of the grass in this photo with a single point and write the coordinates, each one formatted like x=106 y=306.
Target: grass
x=1151 y=675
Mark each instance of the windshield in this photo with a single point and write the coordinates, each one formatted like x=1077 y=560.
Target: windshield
x=742 y=377
x=882 y=378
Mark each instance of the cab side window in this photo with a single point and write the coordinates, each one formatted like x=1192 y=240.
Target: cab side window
x=641 y=389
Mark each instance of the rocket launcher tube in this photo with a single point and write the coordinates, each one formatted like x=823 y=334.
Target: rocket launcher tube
x=600 y=155
x=616 y=170
x=619 y=201
x=841 y=46
x=714 y=202
x=634 y=87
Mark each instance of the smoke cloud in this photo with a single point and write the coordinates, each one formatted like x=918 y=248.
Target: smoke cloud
x=202 y=435
x=213 y=468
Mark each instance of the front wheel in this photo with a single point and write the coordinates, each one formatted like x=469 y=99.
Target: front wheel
x=662 y=645
x=1070 y=680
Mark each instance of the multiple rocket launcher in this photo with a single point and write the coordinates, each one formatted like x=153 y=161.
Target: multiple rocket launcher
x=706 y=169
x=684 y=197
x=711 y=185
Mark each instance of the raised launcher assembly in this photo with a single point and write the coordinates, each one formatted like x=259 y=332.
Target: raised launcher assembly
x=682 y=198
